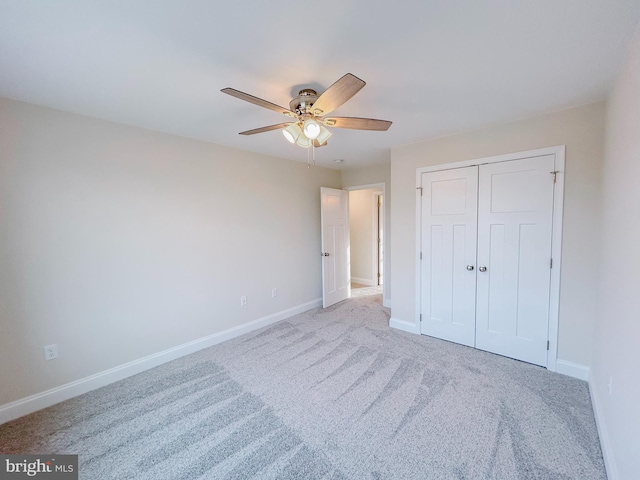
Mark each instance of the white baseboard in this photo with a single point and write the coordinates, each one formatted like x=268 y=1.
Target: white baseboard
x=571 y=369
x=386 y=302
x=605 y=441
x=404 y=325
x=32 y=403
x=364 y=281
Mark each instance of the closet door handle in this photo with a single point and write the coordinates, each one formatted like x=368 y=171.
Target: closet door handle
x=482 y=269
x=470 y=268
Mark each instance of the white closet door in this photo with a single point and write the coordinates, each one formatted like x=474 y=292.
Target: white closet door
x=515 y=208
x=449 y=216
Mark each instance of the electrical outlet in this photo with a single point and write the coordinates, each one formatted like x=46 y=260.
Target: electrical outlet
x=243 y=301
x=50 y=352
x=274 y=292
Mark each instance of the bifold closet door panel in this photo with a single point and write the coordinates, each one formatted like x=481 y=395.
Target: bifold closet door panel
x=448 y=245
x=515 y=213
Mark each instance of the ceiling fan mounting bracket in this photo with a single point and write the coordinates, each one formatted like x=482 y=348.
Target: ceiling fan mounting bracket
x=307 y=92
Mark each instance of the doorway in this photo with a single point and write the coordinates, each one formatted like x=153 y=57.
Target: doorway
x=367 y=213
x=380 y=239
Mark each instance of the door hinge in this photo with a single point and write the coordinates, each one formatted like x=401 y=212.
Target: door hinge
x=551 y=263
x=420 y=255
x=421 y=317
x=379 y=275
x=555 y=175
x=547 y=344
x=419 y=188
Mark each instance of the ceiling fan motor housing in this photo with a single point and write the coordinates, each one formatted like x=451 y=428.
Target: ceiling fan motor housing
x=304 y=101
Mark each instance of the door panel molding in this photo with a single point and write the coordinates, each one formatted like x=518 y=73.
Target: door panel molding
x=556 y=241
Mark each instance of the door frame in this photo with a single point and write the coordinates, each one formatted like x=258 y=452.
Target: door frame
x=386 y=301
x=379 y=219
x=556 y=239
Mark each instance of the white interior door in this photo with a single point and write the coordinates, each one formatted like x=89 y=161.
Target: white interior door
x=515 y=212
x=336 y=274
x=449 y=228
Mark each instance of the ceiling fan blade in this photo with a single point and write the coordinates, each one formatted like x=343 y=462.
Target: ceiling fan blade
x=357 y=123
x=257 y=101
x=337 y=94
x=266 y=129
x=317 y=144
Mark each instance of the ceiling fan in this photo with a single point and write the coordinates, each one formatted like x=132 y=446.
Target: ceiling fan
x=309 y=113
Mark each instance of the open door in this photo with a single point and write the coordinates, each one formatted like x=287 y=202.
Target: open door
x=336 y=274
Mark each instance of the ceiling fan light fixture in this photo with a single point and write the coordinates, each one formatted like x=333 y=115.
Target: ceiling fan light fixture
x=311 y=129
x=303 y=142
x=324 y=135
x=292 y=133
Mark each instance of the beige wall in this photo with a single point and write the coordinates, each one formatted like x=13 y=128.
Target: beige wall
x=581 y=130
x=617 y=335
x=118 y=242
x=380 y=173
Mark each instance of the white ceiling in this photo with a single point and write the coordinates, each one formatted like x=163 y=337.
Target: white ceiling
x=433 y=67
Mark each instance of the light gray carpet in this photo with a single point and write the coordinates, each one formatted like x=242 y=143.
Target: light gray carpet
x=329 y=394
x=358 y=290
